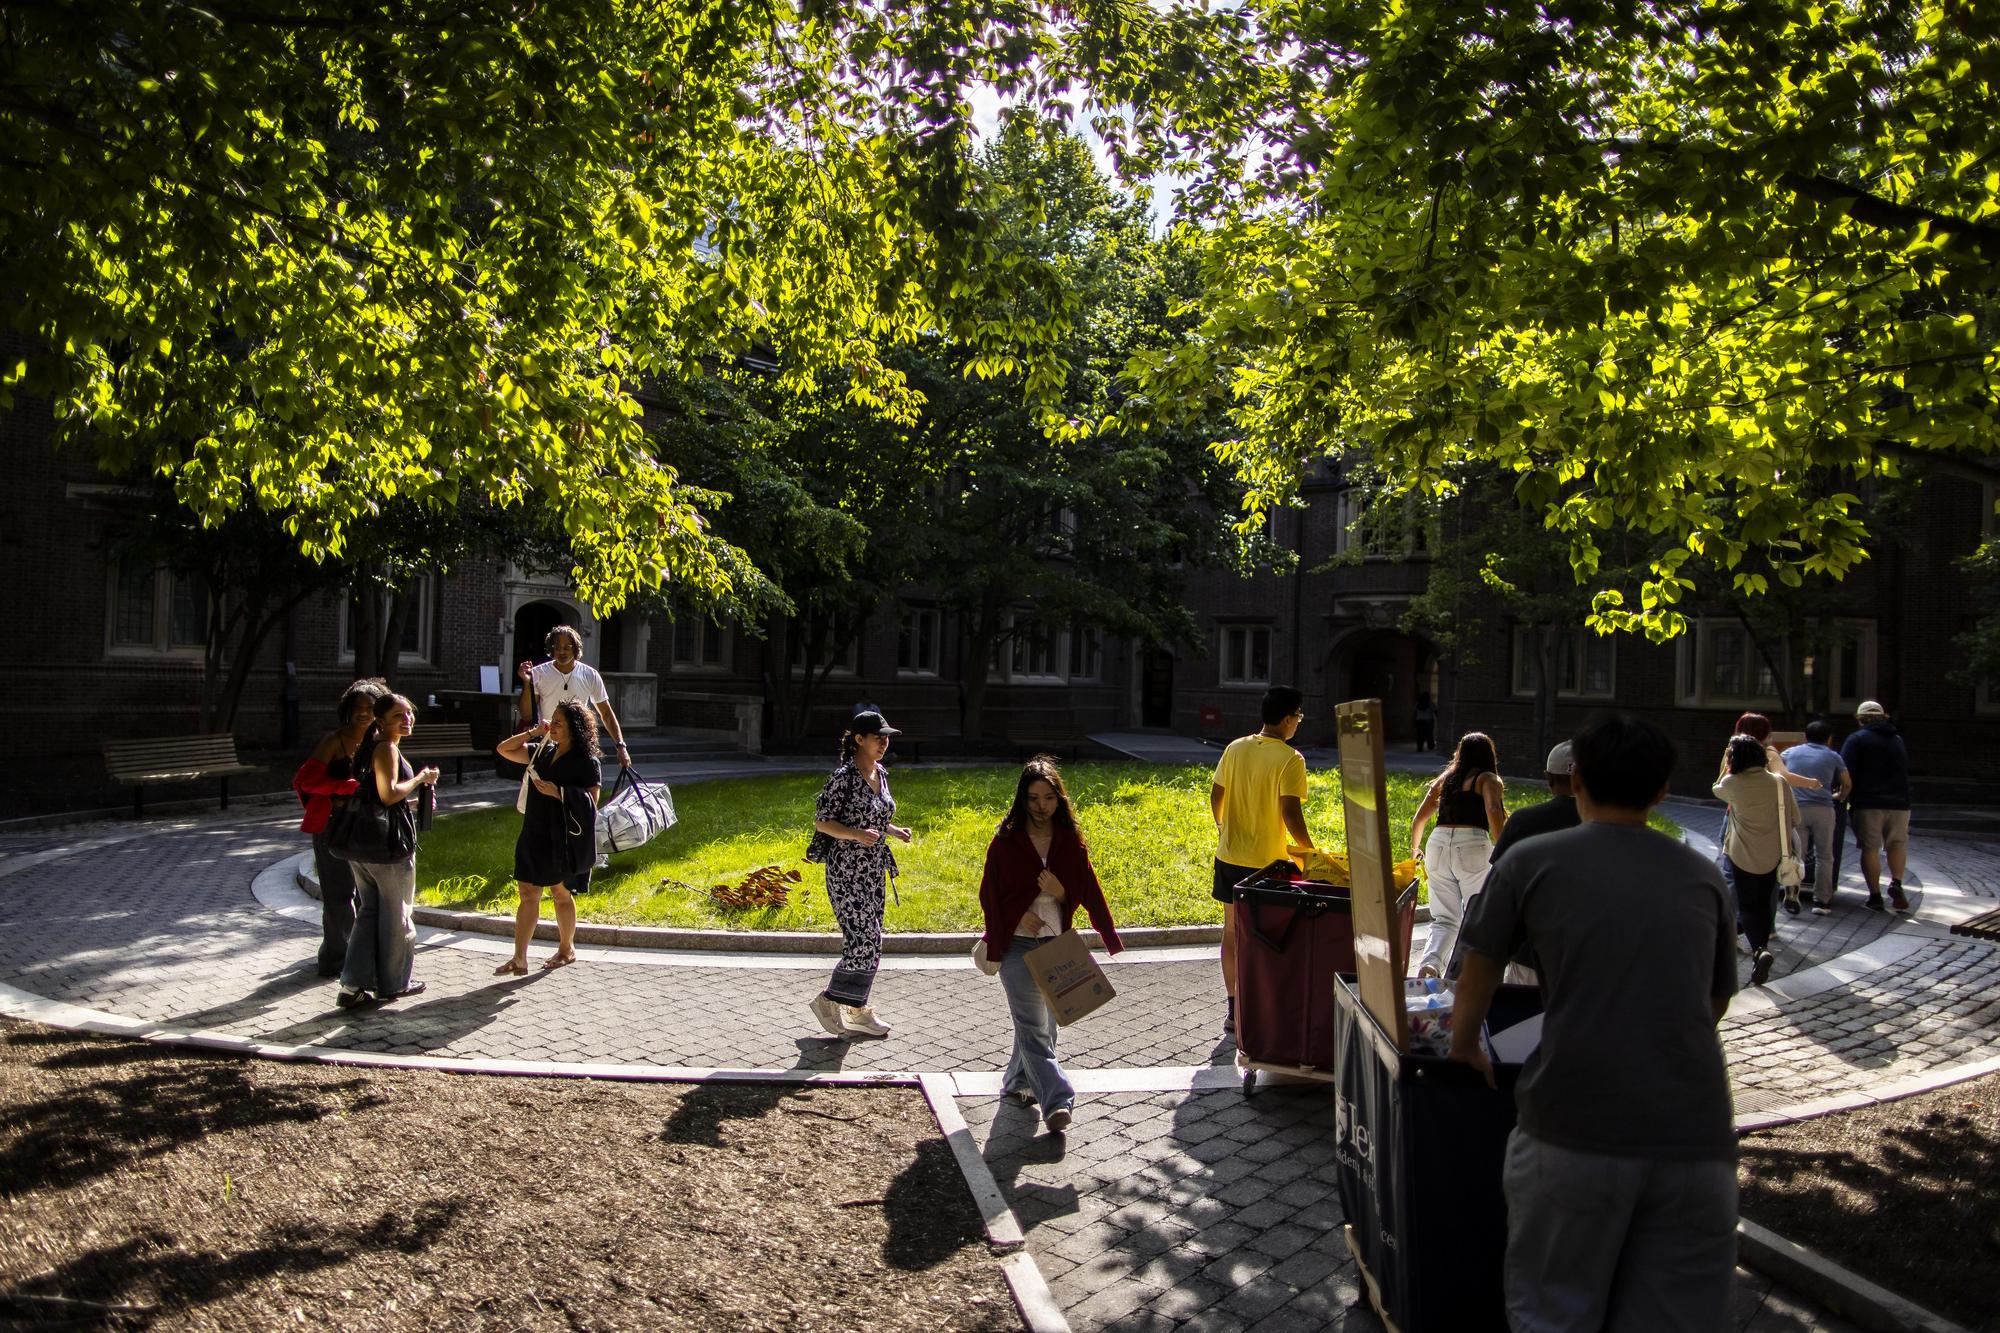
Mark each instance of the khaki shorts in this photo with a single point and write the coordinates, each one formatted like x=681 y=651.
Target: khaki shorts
x=1876 y=829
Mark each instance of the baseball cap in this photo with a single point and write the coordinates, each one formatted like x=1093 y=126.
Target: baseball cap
x=1869 y=708
x=871 y=723
x=1560 y=761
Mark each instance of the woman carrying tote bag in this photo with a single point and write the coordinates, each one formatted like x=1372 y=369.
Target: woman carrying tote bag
x=1038 y=872
x=1761 y=810
x=382 y=949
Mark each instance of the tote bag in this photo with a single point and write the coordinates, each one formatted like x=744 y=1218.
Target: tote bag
x=637 y=812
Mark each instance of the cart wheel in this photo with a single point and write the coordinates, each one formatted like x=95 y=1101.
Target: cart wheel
x=1249 y=1082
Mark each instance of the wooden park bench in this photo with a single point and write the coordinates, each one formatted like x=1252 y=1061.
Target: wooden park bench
x=443 y=740
x=174 y=759
x=1983 y=927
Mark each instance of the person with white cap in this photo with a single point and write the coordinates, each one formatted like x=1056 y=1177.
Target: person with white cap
x=851 y=833
x=1879 y=802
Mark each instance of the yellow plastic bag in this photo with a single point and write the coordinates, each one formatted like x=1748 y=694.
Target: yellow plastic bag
x=1331 y=867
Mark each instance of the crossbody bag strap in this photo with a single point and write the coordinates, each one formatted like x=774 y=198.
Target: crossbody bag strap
x=1784 y=833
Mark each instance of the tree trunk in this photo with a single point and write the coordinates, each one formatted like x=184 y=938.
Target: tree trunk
x=982 y=632
x=255 y=626
x=364 y=605
x=1545 y=638
x=391 y=649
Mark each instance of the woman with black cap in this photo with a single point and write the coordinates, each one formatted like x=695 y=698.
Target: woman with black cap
x=851 y=836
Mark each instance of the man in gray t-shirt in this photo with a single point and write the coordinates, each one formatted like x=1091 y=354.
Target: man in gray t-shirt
x=1621 y=1175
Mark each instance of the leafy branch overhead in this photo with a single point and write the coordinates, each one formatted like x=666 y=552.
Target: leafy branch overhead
x=315 y=262
x=1688 y=272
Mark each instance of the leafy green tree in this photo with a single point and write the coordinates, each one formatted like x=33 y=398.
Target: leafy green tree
x=308 y=261
x=1667 y=265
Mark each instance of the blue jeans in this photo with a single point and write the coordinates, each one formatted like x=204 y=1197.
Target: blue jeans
x=1033 y=1065
x=383 y=946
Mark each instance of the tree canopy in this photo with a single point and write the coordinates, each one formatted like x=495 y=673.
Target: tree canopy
x=1684 y=270
x=314 y=260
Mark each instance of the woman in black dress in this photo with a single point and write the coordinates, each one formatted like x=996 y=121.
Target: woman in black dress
x=558 y=842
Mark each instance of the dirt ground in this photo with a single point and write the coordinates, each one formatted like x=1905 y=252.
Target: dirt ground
x=1906 y=1194
x=194 y=1191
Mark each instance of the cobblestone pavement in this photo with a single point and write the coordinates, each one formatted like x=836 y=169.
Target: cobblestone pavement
x=1158 y=1209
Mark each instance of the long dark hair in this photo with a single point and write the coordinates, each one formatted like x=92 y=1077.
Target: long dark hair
x=582 y=726
x=369 y=688
x=1473 y=754
x=364 y=753
x=1042 y=768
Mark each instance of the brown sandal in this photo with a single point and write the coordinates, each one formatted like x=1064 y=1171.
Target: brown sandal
x=510 y=968
x=556 y=960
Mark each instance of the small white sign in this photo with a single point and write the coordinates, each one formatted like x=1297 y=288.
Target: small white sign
x=489 y=680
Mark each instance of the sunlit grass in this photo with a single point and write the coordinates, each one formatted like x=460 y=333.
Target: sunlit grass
x=1148 y=826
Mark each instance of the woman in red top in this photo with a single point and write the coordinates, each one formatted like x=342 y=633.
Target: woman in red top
x=1038 y=873
x=324 y=775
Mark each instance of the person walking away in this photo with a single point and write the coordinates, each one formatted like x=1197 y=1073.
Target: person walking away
x=1761 y=809
x=852 y=828
x=1425 y=720
x=1550 y=816
x=1758 y=726
x=382 y=948
x=329 y=772
x=1468 y=799
x=567 y=676
x=1256 y=798
x=1819 y=808
x=557 y=845
x=1879 y=803
x=1038 y=872
x=1620 y=1176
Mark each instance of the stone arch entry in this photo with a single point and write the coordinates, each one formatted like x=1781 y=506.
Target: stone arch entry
x=532 y=624
x=1389 y=665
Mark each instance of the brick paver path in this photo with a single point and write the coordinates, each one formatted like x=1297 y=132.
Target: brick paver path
x=1159 y=1209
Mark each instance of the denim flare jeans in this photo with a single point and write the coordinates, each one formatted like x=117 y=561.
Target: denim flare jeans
x=1033 y=1065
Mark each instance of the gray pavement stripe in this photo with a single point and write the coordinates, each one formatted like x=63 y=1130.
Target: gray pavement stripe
x=1001 y=1227
x=1872 y=1307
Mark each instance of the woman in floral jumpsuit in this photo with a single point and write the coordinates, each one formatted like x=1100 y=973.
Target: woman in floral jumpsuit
x=852 y=832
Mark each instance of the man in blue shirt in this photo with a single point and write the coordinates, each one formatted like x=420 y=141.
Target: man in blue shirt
x=1880 y=769
x=1818 y=808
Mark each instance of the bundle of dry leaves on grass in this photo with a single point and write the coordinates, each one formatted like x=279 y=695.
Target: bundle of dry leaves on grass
x=1906 y=1193
x=149 y=1188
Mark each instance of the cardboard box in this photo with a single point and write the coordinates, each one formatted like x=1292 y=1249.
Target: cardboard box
x=1070 y=979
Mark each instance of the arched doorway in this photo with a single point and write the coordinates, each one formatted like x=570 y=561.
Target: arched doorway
x=532 y=624
x=1389 y=665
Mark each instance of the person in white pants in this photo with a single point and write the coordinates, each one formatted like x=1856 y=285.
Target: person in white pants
x=1467 y=799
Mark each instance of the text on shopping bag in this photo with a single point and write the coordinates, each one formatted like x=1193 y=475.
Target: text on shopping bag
x=1069 y=978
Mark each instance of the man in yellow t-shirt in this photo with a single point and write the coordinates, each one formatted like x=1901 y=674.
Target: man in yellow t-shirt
x=1257 y=798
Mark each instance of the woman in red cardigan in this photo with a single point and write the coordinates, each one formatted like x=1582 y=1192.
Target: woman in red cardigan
x=1038 y=873
x=324 y=775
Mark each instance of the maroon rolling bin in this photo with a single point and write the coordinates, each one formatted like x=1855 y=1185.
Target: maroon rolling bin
x=1293 y=936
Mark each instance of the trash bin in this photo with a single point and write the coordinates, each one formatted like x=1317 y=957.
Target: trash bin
x=1293 y=937
x=1419 y=1143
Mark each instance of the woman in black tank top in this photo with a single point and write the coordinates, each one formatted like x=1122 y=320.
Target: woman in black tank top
x=1467 y=799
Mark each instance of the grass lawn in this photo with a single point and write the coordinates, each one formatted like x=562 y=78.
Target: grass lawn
x=1148 y=826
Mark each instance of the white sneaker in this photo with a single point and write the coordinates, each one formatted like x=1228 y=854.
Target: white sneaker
x=862 y=1019
x=828 y=1014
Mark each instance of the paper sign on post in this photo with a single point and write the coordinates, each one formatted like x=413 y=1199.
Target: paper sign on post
x=1069 y=978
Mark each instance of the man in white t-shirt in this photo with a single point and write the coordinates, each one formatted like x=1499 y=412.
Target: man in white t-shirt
x=567 y=676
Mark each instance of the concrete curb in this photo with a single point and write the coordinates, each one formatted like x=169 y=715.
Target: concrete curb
x=1032 y=1297
x=1835 y=1288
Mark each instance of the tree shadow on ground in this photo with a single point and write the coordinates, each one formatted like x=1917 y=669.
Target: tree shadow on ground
x=1911 y=1207
x=91 y=1131
x=930 y=1211
x=275 y=987
x=699 y=1118
x=155 y=1268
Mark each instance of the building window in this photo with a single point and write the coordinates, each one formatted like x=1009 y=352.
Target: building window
x=699 y=643
x=1246 y=655
x=1584 y=665
x=1717 y=664
x=1036 y=652
x=1086 y=652
x=1377 y=525
x=845 y=661
x=416 y=640
x=1849 y=663
x=918 y=640
x=157 y=610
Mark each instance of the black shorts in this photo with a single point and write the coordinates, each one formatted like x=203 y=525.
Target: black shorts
x=1227 y=877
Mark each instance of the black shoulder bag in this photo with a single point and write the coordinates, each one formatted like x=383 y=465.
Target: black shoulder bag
x=362 y=829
